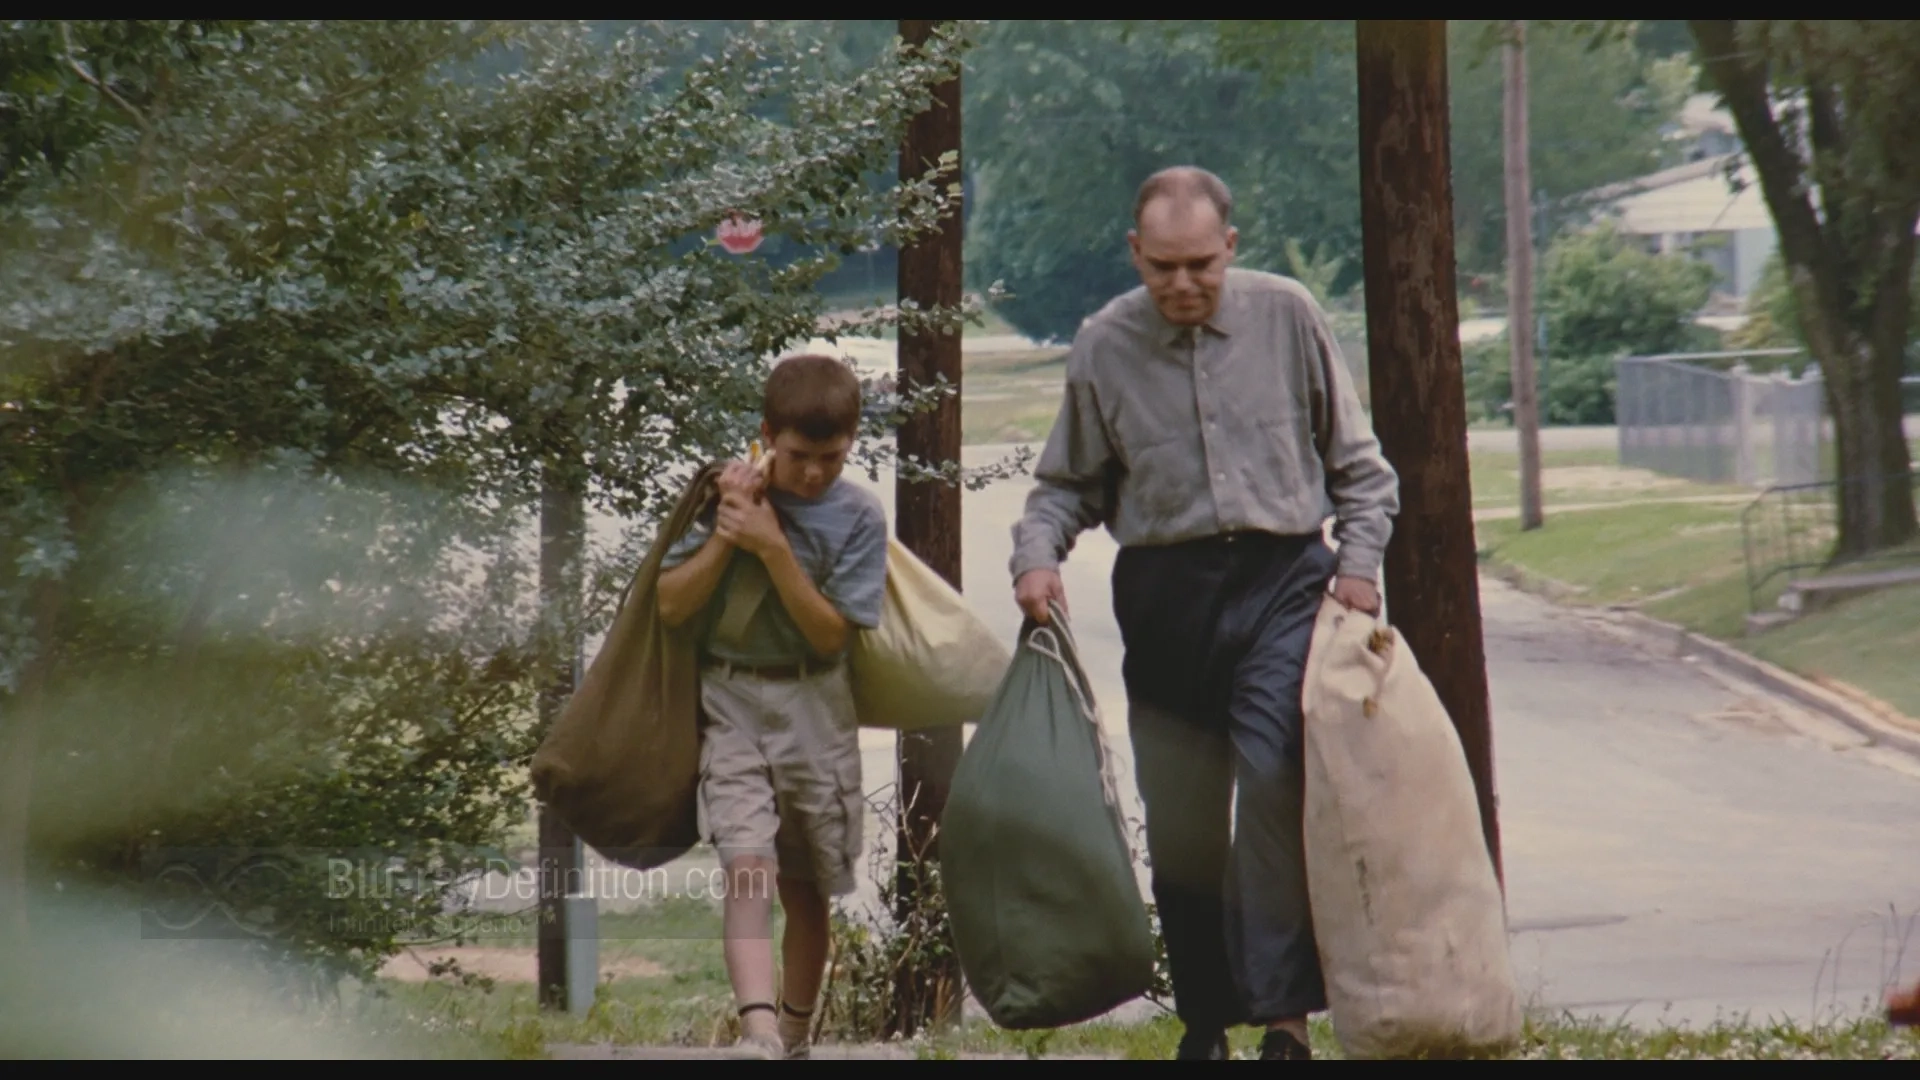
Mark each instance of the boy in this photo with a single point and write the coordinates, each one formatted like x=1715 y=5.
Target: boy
x=780 y=751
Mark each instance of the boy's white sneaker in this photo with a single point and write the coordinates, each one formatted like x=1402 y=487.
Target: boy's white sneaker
x=758 y=1048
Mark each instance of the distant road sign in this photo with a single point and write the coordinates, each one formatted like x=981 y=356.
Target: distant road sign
x=739 y=234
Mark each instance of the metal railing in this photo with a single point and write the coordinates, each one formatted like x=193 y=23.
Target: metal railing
x=1794 y=527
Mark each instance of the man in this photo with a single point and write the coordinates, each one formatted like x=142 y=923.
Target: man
x=1208 y=417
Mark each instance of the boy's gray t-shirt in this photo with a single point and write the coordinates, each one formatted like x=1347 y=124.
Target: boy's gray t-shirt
x=839 y=539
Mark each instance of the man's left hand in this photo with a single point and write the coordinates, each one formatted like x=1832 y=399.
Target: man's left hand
x=1357 y=594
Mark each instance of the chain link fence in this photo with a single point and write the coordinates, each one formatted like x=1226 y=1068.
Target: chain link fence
x=1711 y=418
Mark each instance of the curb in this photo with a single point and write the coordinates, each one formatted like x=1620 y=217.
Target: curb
x=1807 y=694
x=1527 y=581
x=1685 y=642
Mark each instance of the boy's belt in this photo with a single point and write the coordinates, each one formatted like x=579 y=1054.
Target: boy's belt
x=771 y=671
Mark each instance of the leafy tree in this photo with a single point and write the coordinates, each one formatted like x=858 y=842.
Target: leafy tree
x=1663 y=37
x=1603 y=297
x=1604 y=294
x=1773 y=323
x=1824 y=110
x=1595 y=114
x=1596 y=106
x=283 y=367
x=62 y=85
x=1065 y=119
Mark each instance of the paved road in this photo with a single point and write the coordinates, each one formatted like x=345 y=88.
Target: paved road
x=1667 y=836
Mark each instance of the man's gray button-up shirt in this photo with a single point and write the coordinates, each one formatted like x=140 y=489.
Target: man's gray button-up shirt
x=1249 y=422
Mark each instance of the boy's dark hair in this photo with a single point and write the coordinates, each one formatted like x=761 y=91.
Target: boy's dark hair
x=815 y=395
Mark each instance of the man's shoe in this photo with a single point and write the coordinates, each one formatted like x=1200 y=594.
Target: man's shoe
x=1280 y=1045
x=1202 y=1046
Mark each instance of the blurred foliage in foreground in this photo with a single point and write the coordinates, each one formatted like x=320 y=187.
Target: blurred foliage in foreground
x=299 y=319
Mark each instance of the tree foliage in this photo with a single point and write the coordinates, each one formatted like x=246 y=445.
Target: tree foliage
x=1603 y=297
x=285 y=363
x=1602 y=293
x=62 y=85
x=1595 y=110
x=1065 y=119
x=1825 y=111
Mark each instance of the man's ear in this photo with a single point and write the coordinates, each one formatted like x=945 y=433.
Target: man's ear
x=1233 y=240
x=1133 y=243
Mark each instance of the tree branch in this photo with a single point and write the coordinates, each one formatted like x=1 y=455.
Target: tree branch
x=1742 y=80
x=1826 y=140
x=66 y=40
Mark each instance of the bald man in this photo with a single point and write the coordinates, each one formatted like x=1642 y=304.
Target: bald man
x=1210 y=424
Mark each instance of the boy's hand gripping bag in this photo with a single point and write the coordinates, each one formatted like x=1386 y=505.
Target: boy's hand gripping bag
x=1407 y=911
x=932 y=662
x=1048 y=920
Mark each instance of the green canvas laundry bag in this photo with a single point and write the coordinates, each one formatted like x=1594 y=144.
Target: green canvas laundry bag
x=1048 y=920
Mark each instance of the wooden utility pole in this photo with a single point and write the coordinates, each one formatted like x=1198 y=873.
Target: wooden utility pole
x=1520 y=329
x=927 y=521
x=567 y=940
x=1419 y=395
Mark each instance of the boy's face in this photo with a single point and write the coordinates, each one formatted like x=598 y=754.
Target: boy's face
x=803 y=466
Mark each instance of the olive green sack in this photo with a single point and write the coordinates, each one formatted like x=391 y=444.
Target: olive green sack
x=1048 y=920
x=621 y=763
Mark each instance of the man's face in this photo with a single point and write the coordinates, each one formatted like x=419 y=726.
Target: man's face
x=1182 y=253
x=803 y=466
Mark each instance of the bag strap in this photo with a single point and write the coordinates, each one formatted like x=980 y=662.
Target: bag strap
x=743 y=600
x=1059 y=647
x=685 y=509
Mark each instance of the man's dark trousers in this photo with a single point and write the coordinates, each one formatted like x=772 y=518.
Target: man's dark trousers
x=1216 y=634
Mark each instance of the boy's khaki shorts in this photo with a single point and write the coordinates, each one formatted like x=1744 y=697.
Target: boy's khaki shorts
x=780 y=772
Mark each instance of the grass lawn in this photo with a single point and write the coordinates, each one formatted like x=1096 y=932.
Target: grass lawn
x=1011 y=397
x=1683 y=563
x=97 y=990
x=1871 y=642
x=1628 y=555
x=1578 y=478
x=685 y=1000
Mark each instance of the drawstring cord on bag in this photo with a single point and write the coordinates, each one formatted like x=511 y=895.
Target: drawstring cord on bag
x=1109 y=786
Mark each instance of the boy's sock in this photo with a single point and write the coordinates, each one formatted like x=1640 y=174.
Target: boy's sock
x=795 y=1024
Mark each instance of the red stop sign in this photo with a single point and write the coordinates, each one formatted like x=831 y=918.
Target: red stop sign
x=739 y=234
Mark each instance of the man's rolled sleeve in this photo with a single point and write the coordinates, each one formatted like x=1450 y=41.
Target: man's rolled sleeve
x=1070 y=479
x=1362 y=484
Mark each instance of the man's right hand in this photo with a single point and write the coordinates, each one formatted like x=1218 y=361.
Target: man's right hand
x=1035 y=589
